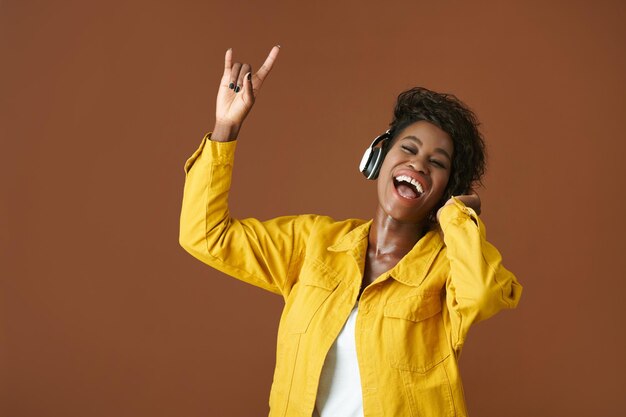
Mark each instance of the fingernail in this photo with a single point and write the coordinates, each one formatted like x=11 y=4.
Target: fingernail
x=237 y=89
x=278 y=46
x=231 y=86
x=249 y=76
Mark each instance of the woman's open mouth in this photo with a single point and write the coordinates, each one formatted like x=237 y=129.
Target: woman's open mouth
x=408 y=187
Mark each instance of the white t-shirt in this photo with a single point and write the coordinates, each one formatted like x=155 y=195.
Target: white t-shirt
x=339 y=392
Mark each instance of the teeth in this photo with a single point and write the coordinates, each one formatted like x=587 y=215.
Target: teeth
x=411 y=181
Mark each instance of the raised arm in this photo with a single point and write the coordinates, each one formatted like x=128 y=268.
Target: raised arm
x=479 y=285
x=265 y=254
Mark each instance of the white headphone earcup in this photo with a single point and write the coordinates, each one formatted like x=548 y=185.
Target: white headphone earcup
x=373 y=158
x=365 y=159
x=370 y=163
x=375 y=162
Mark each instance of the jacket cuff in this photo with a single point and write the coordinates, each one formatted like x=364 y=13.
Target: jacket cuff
x=209 y=151
x=456 y=213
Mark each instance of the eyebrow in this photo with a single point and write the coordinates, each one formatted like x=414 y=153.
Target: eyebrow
x=438 y=150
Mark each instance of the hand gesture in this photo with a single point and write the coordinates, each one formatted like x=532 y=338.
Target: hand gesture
x=237 y=93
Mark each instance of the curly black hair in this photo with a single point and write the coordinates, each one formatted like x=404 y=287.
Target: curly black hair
x=453 y=117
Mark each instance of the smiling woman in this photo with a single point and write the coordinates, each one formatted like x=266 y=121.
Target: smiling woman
x=415 y=173
x=376 y=312
x=453 y=117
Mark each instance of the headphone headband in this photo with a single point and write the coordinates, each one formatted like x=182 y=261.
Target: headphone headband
x=380 y=138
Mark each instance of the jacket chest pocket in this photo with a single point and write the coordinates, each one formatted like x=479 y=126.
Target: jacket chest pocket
x=317 y=282
x=307 y=302
x=414 y=333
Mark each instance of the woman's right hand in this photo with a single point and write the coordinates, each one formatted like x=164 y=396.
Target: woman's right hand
x=237 y=93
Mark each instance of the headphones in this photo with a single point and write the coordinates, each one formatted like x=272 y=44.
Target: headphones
x=373 y=157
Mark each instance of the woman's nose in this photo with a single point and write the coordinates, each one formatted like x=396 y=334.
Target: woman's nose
x=419 y=165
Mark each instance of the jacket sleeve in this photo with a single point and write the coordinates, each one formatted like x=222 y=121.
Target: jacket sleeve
x=478 y=285
x=266 y=254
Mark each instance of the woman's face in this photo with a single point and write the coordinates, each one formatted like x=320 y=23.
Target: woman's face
x=415 y=172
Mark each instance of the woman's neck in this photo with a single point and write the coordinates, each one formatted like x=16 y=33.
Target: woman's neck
x=389 y=238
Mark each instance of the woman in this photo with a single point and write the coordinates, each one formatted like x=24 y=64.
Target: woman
x=376 y=312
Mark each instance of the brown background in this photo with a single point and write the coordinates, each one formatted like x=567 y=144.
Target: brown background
x=103 y=314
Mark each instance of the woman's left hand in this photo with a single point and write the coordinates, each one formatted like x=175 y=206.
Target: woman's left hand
x=470 y=200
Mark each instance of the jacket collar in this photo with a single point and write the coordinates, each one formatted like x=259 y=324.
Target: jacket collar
x=352 y=239
x=412 y=269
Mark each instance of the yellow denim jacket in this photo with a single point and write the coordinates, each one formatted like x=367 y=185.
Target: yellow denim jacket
x=412 y=320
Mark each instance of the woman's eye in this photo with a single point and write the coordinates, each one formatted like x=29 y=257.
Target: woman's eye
x=408 y=149
x=437 y=163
